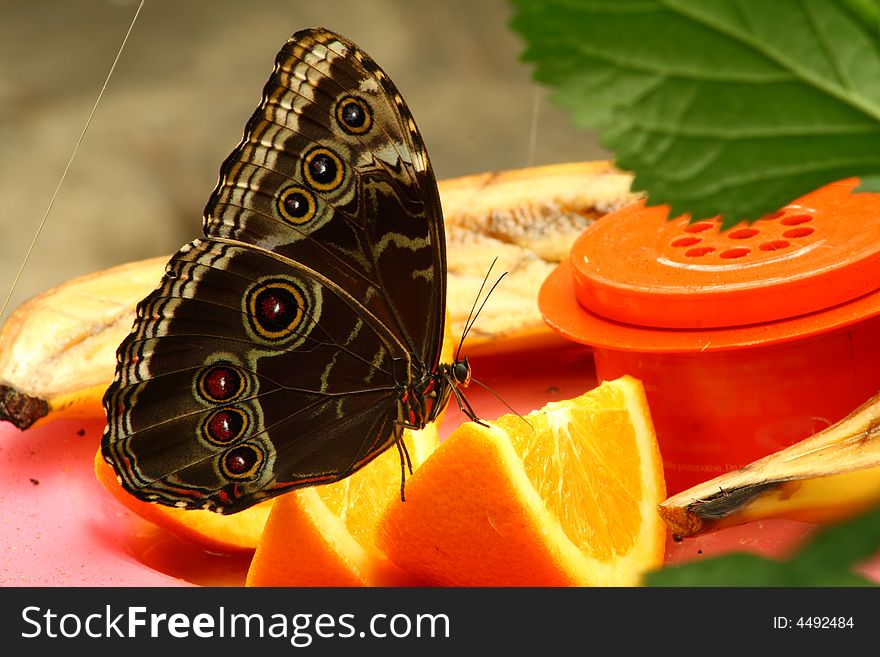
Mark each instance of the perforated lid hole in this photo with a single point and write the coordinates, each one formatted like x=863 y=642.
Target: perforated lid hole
x=738 y=252
x=774 y=245
x=742 y=233
x=772 y=215
x=699 y=251
x=698 y=227
x=686 y=241
x=803 y=231
x=795 y=219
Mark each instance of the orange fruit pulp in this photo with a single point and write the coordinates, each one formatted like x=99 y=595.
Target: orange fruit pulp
x=567 y=495
x=325 y=535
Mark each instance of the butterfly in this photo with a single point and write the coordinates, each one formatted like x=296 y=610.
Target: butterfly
x=298 y=338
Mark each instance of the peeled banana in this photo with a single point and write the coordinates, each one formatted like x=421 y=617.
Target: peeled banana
x=527 y=219
x=829 y=476
x=57 y=351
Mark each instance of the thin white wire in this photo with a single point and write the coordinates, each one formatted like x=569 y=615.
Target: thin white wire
x=533 y=128
x=42 y=223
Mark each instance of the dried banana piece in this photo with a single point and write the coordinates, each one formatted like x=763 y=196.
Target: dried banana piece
x=528 y=220
x=831 y=475
x=58 y=350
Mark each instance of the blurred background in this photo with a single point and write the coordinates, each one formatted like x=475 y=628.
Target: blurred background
x=190 y=77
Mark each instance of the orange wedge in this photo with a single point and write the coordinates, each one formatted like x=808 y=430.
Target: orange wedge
x=213 y=531
x=325 y=536
x=569 y=498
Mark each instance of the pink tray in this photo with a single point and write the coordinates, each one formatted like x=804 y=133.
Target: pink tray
x=59 y=527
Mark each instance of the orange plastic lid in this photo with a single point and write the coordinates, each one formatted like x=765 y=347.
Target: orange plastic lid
x=636 y=266
x=636 y=279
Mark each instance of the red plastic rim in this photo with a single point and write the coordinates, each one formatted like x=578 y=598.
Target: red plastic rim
x=636 y=266
x=564 y=314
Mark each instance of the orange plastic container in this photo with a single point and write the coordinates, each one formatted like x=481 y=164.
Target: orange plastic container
x=747 y=340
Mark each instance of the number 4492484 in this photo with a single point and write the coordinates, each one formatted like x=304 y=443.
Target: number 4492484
x=824 y=622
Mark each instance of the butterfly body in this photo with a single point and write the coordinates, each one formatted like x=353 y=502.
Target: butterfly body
x=300 y=337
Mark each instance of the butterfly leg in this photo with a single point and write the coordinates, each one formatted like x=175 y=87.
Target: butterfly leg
x=465 y=406
x=405 y=462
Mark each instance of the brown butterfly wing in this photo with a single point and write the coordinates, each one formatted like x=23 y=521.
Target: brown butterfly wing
x=276 y=351
x=332 y=172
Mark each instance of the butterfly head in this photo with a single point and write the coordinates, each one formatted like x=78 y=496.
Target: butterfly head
x=461 y=373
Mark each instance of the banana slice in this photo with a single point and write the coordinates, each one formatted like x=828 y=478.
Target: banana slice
x=528 y=220
x=58 y=350
x=832 y=475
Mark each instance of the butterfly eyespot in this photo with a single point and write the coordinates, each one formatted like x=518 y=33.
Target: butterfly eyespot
x=297 y=205
x=322 y=169
x=275 y=309
x=220 y=383
x=242 y=462
x=354 y=115
x=225 y=425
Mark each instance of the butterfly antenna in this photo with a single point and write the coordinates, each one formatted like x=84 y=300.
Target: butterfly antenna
x=472 y=321
x=405 y=464
x=467 y=324
x=475 y=312
x=501 y=399
x=76 y=146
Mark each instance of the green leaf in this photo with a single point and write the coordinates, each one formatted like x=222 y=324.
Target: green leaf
x=827 y=560
x=730 y=107
x=867 y=11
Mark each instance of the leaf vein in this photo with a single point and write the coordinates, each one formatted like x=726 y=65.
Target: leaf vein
x=805 y=75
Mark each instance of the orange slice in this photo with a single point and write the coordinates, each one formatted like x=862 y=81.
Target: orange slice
x=570 y=500
x=213 y=531
x=325 y=536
